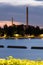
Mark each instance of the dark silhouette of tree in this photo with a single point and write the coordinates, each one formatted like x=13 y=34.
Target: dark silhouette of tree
x=41 y=31
x=20 y=29
x=0 y=31
x=5 y=29
x=26 y=30
x=37 y=31
x=10 y=31
x=14 y=29
x=29 y=30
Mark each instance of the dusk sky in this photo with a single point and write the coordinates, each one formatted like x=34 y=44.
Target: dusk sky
x=24 y=2
x=17 y=9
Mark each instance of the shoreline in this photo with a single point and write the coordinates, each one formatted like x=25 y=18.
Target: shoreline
x=21 y=37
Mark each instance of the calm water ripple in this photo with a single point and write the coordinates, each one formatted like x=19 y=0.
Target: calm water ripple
x=21 y=53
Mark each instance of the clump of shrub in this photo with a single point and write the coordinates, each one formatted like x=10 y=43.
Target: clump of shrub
x=13 y=61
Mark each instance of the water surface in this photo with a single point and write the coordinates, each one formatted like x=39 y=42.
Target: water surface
x=21 y=53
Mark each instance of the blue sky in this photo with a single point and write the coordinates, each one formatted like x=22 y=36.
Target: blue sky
x=17 y=9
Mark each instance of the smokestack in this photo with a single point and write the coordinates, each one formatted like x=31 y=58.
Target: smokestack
x=27 y=16
x=12 y=20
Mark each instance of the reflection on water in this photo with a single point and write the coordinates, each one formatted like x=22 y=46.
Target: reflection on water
x=21 y=53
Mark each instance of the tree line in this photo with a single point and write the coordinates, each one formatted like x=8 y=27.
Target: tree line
x=21 y=30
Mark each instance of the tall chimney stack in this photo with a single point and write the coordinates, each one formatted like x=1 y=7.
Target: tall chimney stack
x=12 y=20
x=26 y=16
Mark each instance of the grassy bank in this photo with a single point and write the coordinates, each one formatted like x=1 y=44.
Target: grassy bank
x=13 y=61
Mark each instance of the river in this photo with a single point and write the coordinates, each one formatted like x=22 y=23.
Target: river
x=27 y=53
